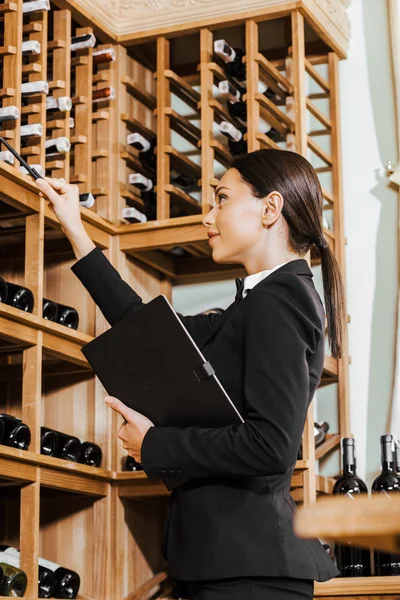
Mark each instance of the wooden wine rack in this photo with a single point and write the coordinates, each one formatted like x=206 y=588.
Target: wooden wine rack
x=103 y=522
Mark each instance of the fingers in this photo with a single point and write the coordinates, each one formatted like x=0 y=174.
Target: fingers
x=119 y=407
x=48 y=190
x=57 y=184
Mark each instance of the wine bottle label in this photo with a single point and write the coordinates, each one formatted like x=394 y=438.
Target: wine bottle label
x=28 y=130
x=138 y=141
x=88 y=40
x=224 y=51
x=49 y=564
x=63 y=103
x=35 y=87
x=229 y=92
x=31 y=47
x=106 y=55
x=7 y=156
x=230 y=131
x=132 y=214
x=140 y=181
x=36 y=5
x=9 y=113
x=58 y=145
x=10 y=559
x=38 y=168
x=86 y=200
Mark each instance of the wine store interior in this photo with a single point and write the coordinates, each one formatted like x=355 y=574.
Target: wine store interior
x=142 y=106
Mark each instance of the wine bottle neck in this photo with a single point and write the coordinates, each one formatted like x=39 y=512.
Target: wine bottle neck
x=349 y=460
x=387 y=454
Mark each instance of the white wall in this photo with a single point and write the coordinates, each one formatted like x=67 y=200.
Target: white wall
x=368 y=140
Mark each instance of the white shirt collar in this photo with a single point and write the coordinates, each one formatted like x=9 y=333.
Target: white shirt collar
x=251 y=280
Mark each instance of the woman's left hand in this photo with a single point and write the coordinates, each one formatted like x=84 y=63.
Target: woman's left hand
x=133 y=431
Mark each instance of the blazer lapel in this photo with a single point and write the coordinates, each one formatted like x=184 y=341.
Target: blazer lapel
x=299 y=266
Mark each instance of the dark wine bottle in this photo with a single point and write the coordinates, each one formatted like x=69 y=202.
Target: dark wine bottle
x=132 y=465
x=67 y=316
x=3 y=290
x=86 y=40
x=46 y=583
x=91 y=454
x=237 y=144
x=50 y=310
x=144 y=184
x=19 y=297
x=387 y=483
x=146 y=149
x=35 y=6
x=352 y=561
x=13 y=581
x=16 y=433
x=86 y=200
x=397 y=455
x=232 y=58
x=132 y=215
x=69 y=446
x=67 y=581
x=48 y=442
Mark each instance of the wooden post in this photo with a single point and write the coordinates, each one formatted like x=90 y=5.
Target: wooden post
x=163 y=129
x=207 y=118
x=252 y=70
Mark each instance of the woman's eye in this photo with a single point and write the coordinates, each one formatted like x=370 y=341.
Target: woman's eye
x=220 y=199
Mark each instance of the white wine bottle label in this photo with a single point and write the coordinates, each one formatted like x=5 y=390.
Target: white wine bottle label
x=58 y=145
x=7 y=156
x=29 y=7
x=9 y=559
x=88 y=40
x=106 y=55
x=138 y=141
x=62 y=104
x=229 y=92
x=35 y=129
x=12 y=551
x=224 y=51
x=86 y=200
x=230 y=131
x=35 y=87
x=31 y=47
x=131 y=213
x=38 y=168
x=140 y=181
x=9 y=113
x=49 y=564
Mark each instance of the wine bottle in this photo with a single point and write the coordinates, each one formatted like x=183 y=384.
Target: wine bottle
x=63 y=103
x=91 y=454
x=132 y=215
x=102 y=56
x=16 y=433
x=3 y=290
x=232 y=57
x=69 y=446
x=31 y=47
x=352 y=561
x=50 y=310
x=146 y=148
x=9 y=113
x=397 y=455
x=141 y=182
x=320 y=431
x=13 y=581
x=68 y=316
x=237 y=108
x=7 y=157
x=33 y=130
x=38 y=168
x=35 y=6
x=387 y=483
x=67 y=581
x=86 y=200
x=46 y=583
x=19 y=297
x=236 y=143
x=35 y=87
x=87 y=40
x=59 y=145
x=104 y=94
x=230 y=92
x=48 y=442
x=132 y=465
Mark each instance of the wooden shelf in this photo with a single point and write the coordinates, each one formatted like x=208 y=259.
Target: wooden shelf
x=359 y=586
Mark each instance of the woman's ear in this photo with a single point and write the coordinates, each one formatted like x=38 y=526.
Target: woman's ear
x=272 y=208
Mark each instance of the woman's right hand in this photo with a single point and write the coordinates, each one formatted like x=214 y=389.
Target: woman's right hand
x=63 y=200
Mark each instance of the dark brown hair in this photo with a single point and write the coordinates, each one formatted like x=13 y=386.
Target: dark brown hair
x=295 y=179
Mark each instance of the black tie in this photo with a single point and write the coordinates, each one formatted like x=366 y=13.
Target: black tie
x=239 y=288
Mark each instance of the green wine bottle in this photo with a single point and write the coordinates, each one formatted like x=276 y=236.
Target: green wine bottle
x=13 y=581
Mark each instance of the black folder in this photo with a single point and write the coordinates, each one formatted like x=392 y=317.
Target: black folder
x=149 y=361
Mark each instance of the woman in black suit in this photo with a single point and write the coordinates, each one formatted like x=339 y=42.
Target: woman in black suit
x=228 y=532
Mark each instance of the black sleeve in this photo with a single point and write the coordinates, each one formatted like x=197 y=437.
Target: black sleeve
x=279 y=340
x=116 y=298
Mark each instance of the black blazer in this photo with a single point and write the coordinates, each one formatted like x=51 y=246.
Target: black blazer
x=230 y=511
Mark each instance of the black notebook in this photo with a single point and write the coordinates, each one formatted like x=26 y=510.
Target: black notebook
x=150 y=362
